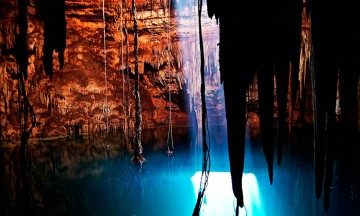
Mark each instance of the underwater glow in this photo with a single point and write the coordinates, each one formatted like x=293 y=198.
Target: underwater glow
x=219 y=198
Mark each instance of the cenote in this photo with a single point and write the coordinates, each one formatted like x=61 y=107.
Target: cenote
x=92 y=176
x=179 y=108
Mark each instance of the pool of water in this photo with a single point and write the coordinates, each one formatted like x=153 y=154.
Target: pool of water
x=92 y=176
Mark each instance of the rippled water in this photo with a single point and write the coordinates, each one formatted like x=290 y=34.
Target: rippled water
x=87 y=177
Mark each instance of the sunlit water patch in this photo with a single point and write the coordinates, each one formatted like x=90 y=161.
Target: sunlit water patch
x=220 y=200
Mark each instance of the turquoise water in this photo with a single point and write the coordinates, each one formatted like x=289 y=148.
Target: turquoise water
x=95 y=177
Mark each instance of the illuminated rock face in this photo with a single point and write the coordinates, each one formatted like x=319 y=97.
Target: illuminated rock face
x=93 y=80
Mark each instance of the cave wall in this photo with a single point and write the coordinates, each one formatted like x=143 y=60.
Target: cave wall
x=66 y=66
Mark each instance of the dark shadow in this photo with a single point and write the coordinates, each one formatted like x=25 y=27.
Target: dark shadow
x=335 y=54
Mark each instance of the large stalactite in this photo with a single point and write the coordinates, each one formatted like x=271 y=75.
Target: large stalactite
x=235 y=96
x=53 y=14
x=253 y=52
x=335 y=25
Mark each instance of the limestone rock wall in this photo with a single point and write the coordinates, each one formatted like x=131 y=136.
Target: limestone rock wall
x=78 y=93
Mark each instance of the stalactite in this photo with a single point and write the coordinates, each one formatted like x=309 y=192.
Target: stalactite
x=295 y=17
x=282 y=68
x=122 y=65
x=290 y=99
x=266 y=111
x=304 y=52
x=235 y=97
x=127 y=102
x=21 y=39
x=304 y=65
x=318 y=149
x=138 y=157
x=324 y=68
x=214 y=8
x=53 y=13
x=105 y=71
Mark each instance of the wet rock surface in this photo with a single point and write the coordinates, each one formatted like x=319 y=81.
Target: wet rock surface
x=94 y=85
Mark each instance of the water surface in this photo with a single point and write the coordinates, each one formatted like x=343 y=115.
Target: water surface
x=92 y=176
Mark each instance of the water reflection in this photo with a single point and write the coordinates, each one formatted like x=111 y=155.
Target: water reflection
x=68 y=177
